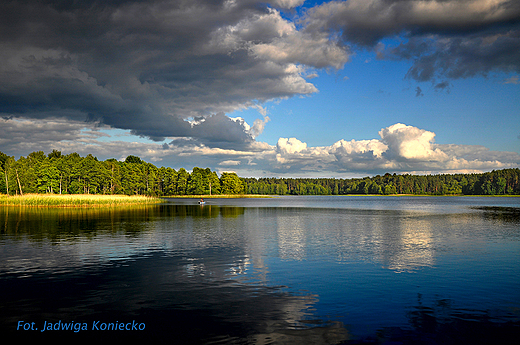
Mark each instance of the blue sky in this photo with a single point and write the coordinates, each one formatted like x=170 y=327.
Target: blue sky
x=274 y=88
x=475 y=111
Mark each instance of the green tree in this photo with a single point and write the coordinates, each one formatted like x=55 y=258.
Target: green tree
x=182 y=182
x=71 y=173
x=231 y=183
x=133 y=159
x=54 y=154
x=48 y=177
x=501 y=185
x=132 y=178
x=196 y=185
x=390 y=189
x=169 y=180
x=374 y=188
x=150 y=176
x=4 y=182
x=113 y=170
x=214 y=183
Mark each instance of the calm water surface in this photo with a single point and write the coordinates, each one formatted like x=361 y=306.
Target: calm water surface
x=289 y=270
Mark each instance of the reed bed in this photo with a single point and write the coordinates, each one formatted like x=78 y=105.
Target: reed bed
x=74 y=200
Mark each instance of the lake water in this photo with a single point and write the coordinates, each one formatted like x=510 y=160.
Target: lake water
x=288 y=270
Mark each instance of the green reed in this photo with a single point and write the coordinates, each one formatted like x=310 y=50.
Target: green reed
x=74 y=200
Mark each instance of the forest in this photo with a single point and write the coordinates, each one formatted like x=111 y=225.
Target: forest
x=72 y=174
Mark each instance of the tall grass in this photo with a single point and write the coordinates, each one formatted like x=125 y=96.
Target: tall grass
x=74 y=200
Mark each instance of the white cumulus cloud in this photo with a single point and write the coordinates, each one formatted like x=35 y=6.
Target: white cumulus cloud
x=410 y=143
x=400 y=148
x=290 y=145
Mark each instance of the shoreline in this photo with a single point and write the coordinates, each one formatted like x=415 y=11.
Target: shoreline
x=94 y=200
x=220 y=196
x=244 y=196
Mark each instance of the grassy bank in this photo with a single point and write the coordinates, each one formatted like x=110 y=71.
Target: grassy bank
x=74 y=200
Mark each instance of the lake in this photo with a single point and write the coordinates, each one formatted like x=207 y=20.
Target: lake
x=284 y=270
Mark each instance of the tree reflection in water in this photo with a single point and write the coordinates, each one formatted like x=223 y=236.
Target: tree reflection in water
x=205 y=274
x=56 y=224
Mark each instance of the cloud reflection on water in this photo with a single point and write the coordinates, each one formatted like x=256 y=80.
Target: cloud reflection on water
x=233 y=274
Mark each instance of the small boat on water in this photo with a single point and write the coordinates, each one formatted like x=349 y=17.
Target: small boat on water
x=202 y=202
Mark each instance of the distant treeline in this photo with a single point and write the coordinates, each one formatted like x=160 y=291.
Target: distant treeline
x=498 y=182
x=73 y=174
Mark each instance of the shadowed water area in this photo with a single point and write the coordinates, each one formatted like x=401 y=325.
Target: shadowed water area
x=289 y=270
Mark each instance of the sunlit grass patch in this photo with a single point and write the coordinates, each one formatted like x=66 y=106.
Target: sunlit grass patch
x=74 y=200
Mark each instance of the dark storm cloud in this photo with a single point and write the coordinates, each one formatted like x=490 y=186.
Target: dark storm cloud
x=220 y=131
x=365 y=22
x=461 y=57
x=451 y=38
x=443 y=86
x=147 y=66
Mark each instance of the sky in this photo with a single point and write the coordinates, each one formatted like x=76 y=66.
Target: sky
x=276 y=88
